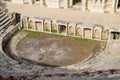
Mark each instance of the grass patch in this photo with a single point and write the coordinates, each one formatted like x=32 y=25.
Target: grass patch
x=96 y=49
x=7 y=0
x=36 y=34
x=96 y=44
x=54 y=31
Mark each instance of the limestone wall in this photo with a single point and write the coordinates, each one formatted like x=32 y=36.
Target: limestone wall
x=52 y=3
x=85 y=5
x=96 y=32
x=18 y=1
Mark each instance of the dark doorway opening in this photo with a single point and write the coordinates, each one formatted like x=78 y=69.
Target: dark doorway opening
x=62 y=28
x=115 y=35
x=17 y=18
x=76 y=1
x=118 y=3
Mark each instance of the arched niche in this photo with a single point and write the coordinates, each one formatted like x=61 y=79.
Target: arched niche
x=46 y=26
x=71 y=30
x=97 y=34
x=87 y=33
x=54 y=27
x=62 y=28
x=30 y=24
x=79 y=31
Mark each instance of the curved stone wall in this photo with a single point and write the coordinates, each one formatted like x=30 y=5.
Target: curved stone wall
x=10 y=68
x=9 y=65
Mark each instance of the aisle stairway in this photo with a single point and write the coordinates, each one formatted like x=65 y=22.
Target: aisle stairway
x=5 y=21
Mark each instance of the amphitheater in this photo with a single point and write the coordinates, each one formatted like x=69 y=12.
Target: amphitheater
x=61 y=26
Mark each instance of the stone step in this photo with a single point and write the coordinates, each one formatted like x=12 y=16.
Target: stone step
x=4 y=26
x=1 y=19
x=4 y=21
x=3 y=14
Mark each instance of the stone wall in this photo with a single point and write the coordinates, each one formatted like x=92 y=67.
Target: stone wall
x=75 y=29
x=85 y=5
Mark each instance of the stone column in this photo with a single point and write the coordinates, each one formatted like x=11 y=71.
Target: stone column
x=50 y=26
x=101 y=34
x=58 y=28
x=41 y=3
x=103 y=2
x=43 y=25
x=91 y=33
x=34 y=24
x=82 y=32
x=93 y=5
x=84 y=5
x=71 y=3
x=66 y=4
x=75 y=30
x=27 y=22
x=113 y=6
x=21 y=17
x=109 y=36
x=67 y=29
x=117 y=1
x=30 y=1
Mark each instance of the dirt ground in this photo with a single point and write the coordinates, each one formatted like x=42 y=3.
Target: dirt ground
x=55 y=50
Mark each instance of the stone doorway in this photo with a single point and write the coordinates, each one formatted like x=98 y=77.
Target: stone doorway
x=115 y=35
x=38 y=26
x=62 y=28
x=77 y=3
x=87 y=33
x=118 y=4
